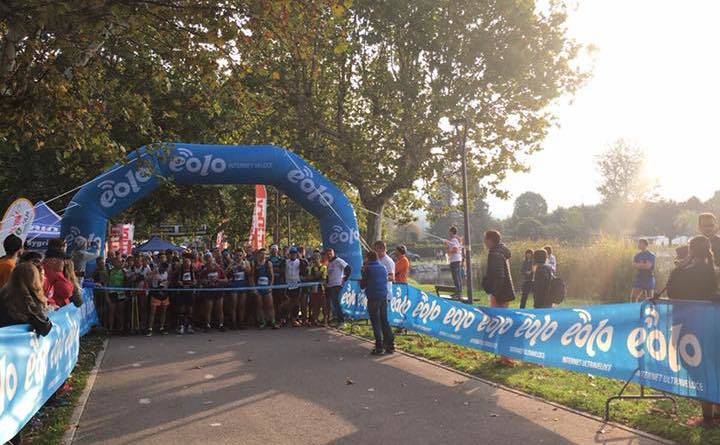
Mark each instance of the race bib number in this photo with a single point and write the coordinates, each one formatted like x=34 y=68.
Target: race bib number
x=187 y=276
x=263 y=281
x=293 y=285
x=213 y=275
x=239 y=276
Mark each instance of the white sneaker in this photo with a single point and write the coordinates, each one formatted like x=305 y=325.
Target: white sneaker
x=181 y=330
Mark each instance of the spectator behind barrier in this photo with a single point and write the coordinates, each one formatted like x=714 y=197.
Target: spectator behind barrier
x=694 y=279
x=82 y=255
x=13 y=247
x=22 y=300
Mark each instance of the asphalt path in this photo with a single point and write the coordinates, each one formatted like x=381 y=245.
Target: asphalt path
x=308 y=386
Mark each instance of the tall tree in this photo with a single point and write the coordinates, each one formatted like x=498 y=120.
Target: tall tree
x=530 y=205
x=621 y=168
x=376 y=95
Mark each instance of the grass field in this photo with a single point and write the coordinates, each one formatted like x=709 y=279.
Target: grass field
x=579 y=391
x=49 y=424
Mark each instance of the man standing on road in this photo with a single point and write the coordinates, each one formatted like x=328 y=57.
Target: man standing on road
x=338 y=273
x=375 y=282
x=384 y=259
x=455 y=257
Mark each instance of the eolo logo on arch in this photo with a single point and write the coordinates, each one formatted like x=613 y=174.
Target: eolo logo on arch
x=186 y=159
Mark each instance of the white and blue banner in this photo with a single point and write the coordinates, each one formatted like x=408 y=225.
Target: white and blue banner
x=33 y=367
x=670 y=346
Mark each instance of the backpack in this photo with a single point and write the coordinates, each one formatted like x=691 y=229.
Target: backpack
x=557 y=290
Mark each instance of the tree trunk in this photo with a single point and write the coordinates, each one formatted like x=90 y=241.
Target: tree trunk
x=374 y=219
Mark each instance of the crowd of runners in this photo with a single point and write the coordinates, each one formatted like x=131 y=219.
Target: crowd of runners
x=220 y=289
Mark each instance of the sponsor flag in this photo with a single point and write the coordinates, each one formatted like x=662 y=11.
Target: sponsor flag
x=257 y=232
x=121 y=238
x=17 y=220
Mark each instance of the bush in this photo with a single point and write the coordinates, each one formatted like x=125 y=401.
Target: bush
x=600 y=271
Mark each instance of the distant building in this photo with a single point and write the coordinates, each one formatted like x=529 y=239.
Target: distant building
x=655 y=240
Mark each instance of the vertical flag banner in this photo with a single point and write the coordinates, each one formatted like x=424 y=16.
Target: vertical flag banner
x=17 y=220
x=121 y=238
x=257 y=232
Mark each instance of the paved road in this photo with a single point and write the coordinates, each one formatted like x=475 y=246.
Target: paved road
x=291 y=387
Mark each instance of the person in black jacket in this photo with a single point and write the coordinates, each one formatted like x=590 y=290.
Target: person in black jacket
x=542 y=277
x=527 y=273
x=694 y=276
x=497 y=281
x=694 y=279
x=22 y=300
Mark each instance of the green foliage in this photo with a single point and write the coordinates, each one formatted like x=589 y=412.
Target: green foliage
x=599 y=271
x=621 y=167
x=530 y=205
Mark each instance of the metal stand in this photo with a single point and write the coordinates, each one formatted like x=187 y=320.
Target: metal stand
x=641 y=396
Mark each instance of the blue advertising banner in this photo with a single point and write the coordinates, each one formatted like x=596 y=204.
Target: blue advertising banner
x=670 y=346
x=33 y=367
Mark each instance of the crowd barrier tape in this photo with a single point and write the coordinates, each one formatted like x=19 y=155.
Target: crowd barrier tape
x=210 y=289
x=33 y=367
x=669 y=346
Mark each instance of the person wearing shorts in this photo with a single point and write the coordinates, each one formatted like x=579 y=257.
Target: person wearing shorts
x=159 y=298
x=212 y=276
x=279 y=295
x=294 y=271
x=115 y=299
x=644 y=263
x=263 y=276
x=239 y=275
x=338 y=273
x=183 y=300
x=318 y=272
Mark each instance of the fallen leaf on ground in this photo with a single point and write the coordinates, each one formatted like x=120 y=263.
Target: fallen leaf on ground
x=349 y=382
x=144 y=401
x=371 y=389
x=493 y=415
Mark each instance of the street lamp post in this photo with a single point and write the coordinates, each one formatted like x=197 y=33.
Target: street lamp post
x=462 y=141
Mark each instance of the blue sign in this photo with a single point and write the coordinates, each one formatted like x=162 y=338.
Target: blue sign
x=124 y=184
x=670 y=346
x=33 y=367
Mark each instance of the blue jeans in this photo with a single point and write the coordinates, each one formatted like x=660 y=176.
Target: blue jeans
x=456 y=271
x=333 y=293
x=384 y=337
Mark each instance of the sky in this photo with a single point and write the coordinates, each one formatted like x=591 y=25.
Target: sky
x=655 y=83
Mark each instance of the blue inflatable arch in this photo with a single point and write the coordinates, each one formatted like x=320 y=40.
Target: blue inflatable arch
x=124 y=184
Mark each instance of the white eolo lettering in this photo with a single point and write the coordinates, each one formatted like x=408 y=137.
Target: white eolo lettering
x=8 y=382
x=426 y=310
x=459 y=318
x=655 y=343
x=112 y=190
x=587 y=336
x=534 y=329
x=494 y=325
x=304 y=178
x=340 y=236
x=400 y=304
x=186 y=159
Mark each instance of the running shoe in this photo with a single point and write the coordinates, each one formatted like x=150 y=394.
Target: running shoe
x=163 y=331
x=221 y=328
x=149 y=333
x=181 y=330
x=206 y=328
x=274 y=325
x=189 y=329
x=262 y=325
